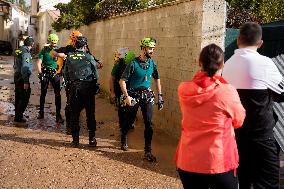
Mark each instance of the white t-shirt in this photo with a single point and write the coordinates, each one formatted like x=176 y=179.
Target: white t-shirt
x=247 y=69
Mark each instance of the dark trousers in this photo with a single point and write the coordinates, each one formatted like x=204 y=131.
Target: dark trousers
x=67 y=107
x=259 y=163
x=121 y=117
x=22 y=96
x=227 y=180
x=55 y=81
x=82 y=95
x=130 y=115
x=121 y=110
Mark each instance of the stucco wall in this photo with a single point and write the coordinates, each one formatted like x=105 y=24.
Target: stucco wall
x=4 y=32
x=44 y=27
x=1 y=28
x=181 y=29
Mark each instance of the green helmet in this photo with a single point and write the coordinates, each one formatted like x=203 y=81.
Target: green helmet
x=53 y=38
x=129 y=57
x=148 y=42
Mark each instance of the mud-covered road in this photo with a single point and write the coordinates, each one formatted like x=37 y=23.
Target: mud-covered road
x=40 y=155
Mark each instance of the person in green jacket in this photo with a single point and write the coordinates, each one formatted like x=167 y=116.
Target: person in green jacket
x=47 y=73
x=122 y=57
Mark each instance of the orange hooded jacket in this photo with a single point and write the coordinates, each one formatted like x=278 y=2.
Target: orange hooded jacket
x=211 y=109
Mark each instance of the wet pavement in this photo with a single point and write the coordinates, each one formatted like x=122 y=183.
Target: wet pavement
x=40 y=155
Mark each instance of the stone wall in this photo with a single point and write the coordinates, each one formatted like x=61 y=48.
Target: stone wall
x=181 y=28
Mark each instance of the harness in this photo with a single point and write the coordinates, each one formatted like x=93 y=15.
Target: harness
x=139 y=95
x=48 y=72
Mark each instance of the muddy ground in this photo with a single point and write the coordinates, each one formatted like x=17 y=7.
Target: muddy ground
x=40 y=155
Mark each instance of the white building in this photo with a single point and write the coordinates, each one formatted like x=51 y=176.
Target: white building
x=5 y=11
x=43 y=14
x=45 y=5
x=18 y=25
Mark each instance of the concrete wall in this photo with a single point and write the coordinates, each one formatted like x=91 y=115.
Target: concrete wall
x=181 y=28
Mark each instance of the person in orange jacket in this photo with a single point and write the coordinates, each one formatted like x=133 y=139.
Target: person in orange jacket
x=207 y=155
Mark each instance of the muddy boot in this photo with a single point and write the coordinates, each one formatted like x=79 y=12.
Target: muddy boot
x=40 y=115
x=124 y=145
x=59 y=119
x=92 y=139
x=148 y=151
x=150 y=157
x=68 y=129
x=75 y=142
x=21 y=122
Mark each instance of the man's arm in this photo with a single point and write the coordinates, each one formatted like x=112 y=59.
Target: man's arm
x=38 y=63
x=112 y=79
x=99 y=64
x=128 y=98
x=54 y=54
x=160 y=96
x=158 y=86
x=26 y=69
x=111 y=87
x=275 y=82
x=94 y=63
x=156 y=76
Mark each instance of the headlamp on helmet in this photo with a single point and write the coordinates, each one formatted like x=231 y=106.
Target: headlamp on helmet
x=53 y=38
x=148 y=42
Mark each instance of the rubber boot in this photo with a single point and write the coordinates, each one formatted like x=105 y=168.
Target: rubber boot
x=148 y=152
x=40 y=115
x=68 y=129
x=75 y=142
x=124 y=145
x=149 y=157
x=92 y=139
x=59 y=118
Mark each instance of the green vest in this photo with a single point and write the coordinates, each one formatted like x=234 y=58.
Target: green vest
x=141 y=78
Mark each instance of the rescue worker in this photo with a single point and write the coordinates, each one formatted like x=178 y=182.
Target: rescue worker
x=23 y=69
x=47 y=73
x=80 y=71
x=139 y=74
x=122 y=57
x=61 y=53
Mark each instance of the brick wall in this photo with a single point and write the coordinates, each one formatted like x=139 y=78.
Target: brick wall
x=181 y=28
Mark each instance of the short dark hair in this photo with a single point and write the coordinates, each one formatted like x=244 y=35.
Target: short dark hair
x=81 y=41
x=211 y=58
x=28 y=41
x=250 y=34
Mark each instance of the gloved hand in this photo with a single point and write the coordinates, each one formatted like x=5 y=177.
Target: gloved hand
x=40 y=76
x=99 y=65
x=160 y=102
x=97 y=88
